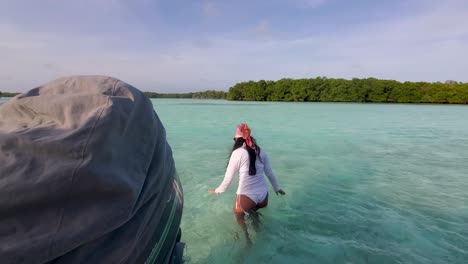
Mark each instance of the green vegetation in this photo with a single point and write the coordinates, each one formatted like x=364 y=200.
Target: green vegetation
x=322 y=89
x=198 y=95
x=5 y=94
x=209 y=95
x=168 y=95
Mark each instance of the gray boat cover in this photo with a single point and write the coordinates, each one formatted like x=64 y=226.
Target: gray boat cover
x=86 y=176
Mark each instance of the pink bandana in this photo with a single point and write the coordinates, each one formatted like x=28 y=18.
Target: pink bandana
x=243 y=130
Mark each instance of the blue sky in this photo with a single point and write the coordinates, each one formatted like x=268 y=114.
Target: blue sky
x=190 y=45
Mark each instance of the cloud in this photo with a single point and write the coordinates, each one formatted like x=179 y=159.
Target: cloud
x=210 y=9
x=315 y=3
x=81 y=17
x=263 y=28
x=35 y=58
x=426 y=46
x=430 y=45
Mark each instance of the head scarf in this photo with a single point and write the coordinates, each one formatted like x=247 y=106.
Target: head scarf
x=243 y=131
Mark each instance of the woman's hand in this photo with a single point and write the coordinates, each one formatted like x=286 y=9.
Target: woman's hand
x=280 y=191
x=212 y=191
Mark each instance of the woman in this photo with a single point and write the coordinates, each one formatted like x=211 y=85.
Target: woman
x=252 y=164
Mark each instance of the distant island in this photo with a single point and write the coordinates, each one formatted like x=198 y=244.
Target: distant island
x=323 y=89
x=6 y=94
x=210 y=94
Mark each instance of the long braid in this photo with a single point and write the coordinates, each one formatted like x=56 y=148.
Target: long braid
x=252 y=159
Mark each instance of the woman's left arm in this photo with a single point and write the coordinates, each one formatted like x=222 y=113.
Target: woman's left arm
x=270 y=175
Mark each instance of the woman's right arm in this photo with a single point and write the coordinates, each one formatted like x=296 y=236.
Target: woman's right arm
x=231 y=170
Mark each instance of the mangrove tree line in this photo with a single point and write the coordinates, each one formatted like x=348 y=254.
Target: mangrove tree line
x=322 y=89
x=7 y=94
x=210 y=94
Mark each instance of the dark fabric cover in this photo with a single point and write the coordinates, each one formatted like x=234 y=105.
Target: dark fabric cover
x=86 y=175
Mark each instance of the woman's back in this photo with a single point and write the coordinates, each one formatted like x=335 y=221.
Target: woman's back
x=252 y=184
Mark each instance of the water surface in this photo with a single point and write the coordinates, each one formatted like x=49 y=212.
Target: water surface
x=365 y=183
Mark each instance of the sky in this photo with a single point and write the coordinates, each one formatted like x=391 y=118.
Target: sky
x=196 y=45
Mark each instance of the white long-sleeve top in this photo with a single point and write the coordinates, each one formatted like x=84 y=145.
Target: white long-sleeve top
x=248 y=184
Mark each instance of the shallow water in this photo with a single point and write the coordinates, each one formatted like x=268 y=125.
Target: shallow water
x=365 y=183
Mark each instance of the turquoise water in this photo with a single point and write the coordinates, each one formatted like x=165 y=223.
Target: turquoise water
x=365 y=183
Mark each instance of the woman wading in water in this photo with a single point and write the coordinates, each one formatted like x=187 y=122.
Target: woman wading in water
x=252 y=165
